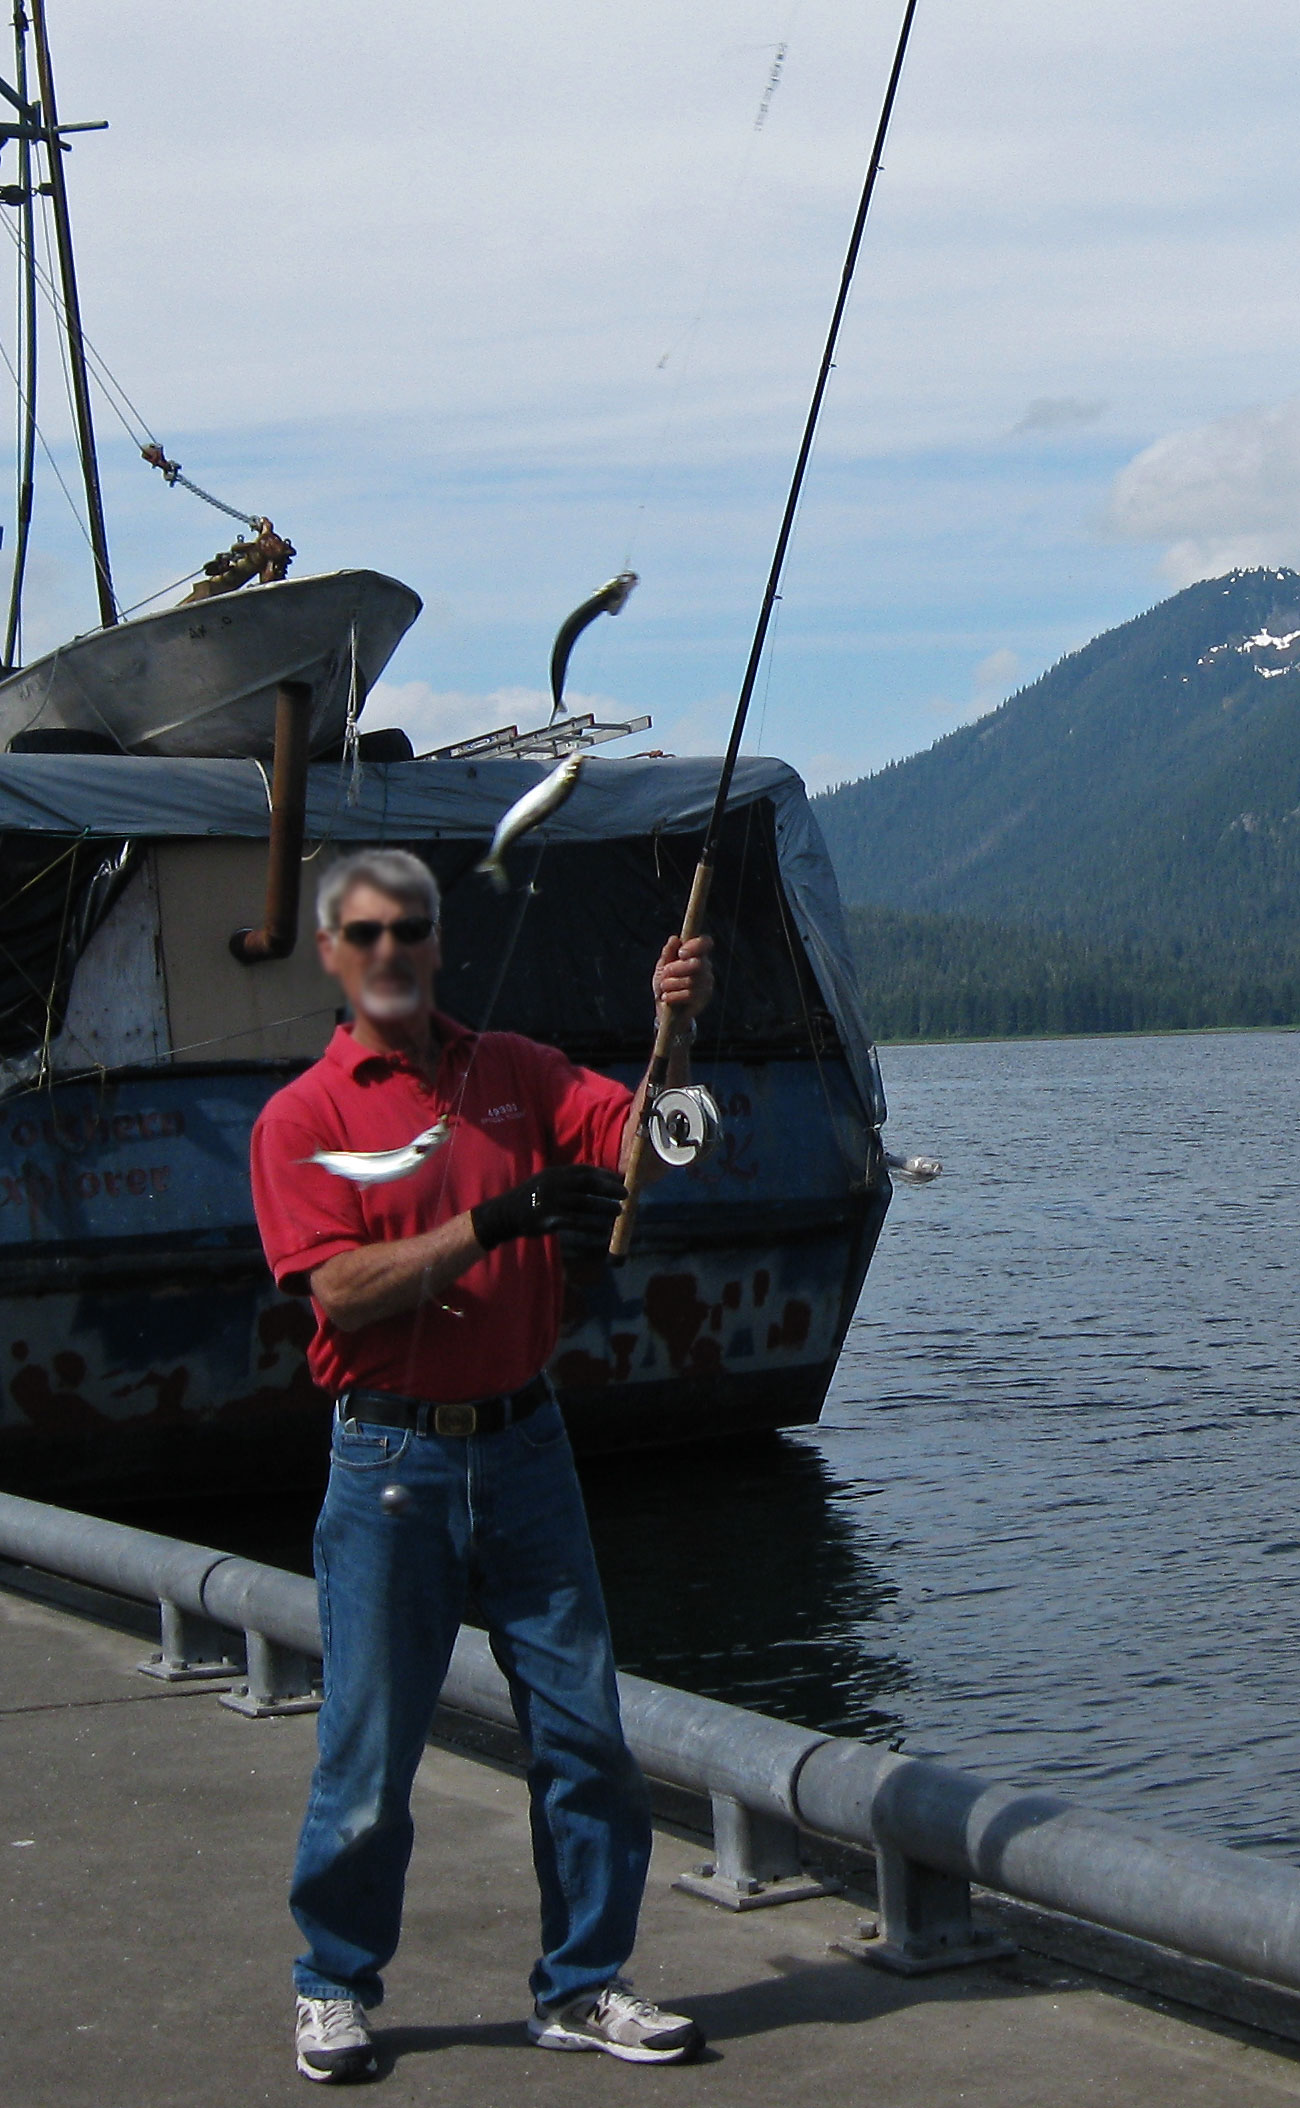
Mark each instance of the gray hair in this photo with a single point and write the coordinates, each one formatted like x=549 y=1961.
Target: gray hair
x=393 y=871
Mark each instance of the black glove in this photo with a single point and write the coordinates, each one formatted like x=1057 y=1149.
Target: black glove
x=579 y=1203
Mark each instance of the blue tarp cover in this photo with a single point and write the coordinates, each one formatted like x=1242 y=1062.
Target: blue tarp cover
x=127 y=797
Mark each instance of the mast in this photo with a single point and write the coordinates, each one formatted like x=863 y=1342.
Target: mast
x=27 y=355
x=72 y=316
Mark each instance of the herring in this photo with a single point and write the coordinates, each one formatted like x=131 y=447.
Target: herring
x=377 y=1167
x=527 y=812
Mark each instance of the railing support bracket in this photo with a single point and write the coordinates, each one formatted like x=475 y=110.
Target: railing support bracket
x=757 y=1862
x=924 y=1923
x=280 y=1680
x=192 y=1649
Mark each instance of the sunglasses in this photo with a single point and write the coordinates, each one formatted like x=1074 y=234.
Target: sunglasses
x=408 y=929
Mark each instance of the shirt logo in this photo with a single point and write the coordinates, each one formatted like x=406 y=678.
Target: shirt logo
x=508 y=1111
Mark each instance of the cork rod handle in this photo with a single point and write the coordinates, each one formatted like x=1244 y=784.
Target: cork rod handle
x=692 y=923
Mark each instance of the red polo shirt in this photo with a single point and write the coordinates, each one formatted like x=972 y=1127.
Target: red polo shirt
x=515 y=1108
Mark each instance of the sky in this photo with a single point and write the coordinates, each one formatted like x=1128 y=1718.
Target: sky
x=505 y=299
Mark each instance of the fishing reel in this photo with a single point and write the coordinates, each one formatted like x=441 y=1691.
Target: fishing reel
x=684 y=1124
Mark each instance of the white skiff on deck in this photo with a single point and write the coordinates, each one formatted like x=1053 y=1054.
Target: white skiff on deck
x=201 y=679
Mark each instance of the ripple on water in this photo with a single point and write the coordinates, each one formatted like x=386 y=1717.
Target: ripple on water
x=1048 y=1526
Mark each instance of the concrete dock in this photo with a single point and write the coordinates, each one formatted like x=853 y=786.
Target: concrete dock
x=147 y=1833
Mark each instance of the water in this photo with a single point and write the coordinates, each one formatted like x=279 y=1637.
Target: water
x=1049 y=1526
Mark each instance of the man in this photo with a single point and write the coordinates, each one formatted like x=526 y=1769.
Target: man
x=437 y=1298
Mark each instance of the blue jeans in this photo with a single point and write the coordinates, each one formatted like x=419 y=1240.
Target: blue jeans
x=502 y=1514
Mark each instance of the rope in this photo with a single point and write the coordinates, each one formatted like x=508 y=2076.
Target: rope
x=58 y=963
x=163 y=591
x=44 y=872
x=171 y=474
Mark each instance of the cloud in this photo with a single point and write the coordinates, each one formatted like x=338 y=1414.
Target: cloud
x=1219 y=495
x=826 y=771
x=439 y=717
x=447 y=363
x=992 y=681
x=995 y=675
x=1058 y=413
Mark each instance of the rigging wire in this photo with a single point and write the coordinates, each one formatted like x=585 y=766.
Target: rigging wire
x=25 y=318
x=175 y=586
x=64 y=364
x=114 y=395
x=59 y=478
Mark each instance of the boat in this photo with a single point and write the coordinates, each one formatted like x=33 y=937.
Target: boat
x=202 y=678
x=159 y=980
x=143 y=1347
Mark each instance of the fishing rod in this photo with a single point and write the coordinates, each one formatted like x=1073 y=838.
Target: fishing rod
x=693 y=919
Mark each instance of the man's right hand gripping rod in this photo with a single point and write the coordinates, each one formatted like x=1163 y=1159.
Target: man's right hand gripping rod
x=657 y=1074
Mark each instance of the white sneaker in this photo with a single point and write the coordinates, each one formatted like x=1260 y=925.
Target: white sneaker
x=333 y=2040
x=617 y=2021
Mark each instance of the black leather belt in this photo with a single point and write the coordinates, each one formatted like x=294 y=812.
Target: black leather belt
x=470 y=1416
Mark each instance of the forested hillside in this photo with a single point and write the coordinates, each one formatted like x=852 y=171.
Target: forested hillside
x=1117 y=847
x=947 y=977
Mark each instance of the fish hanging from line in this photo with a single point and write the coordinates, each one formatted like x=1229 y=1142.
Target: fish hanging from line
x=608 y=601
x=378 y=1167
x=527 y=812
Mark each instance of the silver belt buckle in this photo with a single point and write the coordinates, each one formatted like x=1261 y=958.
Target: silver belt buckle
x=455 y=1420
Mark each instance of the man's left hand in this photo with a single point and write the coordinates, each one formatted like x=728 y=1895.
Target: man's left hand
x=683 y=976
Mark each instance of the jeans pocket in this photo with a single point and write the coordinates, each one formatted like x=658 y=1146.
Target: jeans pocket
x=357 y=1446
x=543 y=1429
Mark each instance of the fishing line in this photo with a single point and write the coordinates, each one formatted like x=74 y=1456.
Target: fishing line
x=680 y=350
x=767 y=685
x=457 y=1099
x=773 y=83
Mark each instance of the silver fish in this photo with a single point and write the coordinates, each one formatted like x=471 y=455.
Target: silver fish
x=377 y=1167
x=529 y=811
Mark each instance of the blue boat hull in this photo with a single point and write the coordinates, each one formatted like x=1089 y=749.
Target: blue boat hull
x=144 y=1349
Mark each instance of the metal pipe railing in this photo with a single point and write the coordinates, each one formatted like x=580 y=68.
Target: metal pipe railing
x=934 y=1829
x=1198 y=1899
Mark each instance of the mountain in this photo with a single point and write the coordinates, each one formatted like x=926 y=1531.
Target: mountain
x=1133 y=817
